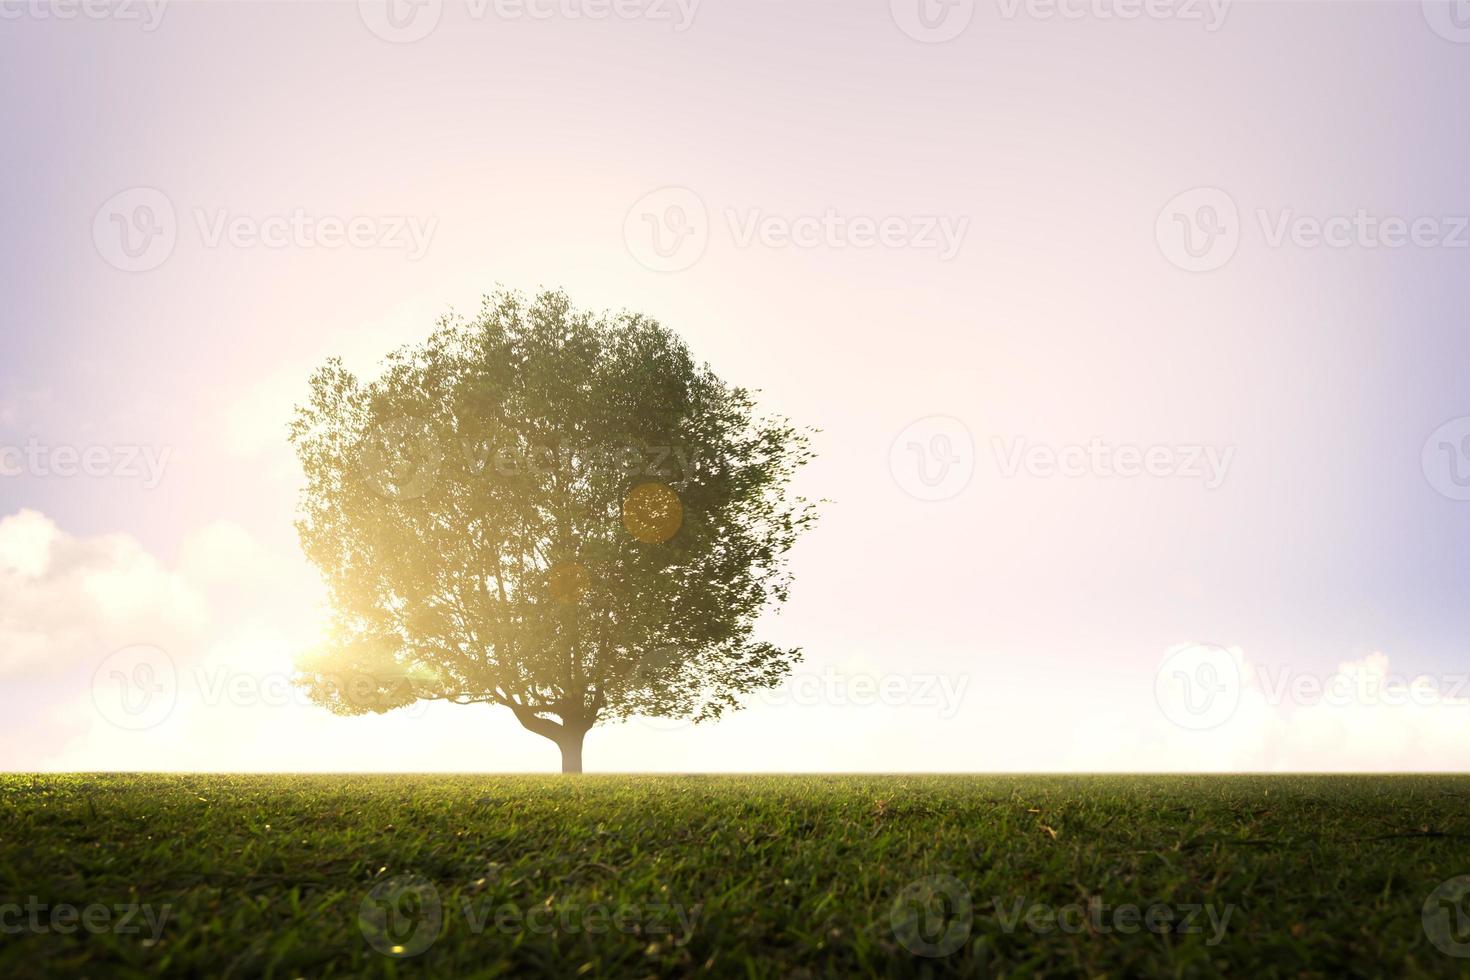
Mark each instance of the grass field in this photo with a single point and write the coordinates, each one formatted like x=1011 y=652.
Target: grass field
x=482 y=876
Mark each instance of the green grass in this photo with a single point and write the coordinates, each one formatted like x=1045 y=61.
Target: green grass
x=775 y=876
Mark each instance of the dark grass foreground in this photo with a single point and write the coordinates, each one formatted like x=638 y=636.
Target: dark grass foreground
x=290 y=876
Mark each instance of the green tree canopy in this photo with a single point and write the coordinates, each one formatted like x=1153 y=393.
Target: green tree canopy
x=548 y=510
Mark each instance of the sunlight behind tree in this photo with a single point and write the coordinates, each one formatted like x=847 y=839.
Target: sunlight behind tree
x=548 y=510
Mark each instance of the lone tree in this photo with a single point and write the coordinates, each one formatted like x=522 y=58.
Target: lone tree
x=548 y=510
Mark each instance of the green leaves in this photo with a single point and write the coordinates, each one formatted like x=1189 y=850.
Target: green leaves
x=537 y=502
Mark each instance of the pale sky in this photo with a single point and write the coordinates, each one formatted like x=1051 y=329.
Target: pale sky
x=1137 y=343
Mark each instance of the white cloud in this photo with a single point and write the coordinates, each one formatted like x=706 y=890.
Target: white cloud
x=113 y=659
x=65 y=599
x=1357 y=717
x=26 y=540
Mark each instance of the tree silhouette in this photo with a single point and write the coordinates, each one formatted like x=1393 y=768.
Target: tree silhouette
x=548 y=510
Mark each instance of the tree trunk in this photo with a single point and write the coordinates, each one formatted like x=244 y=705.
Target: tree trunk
x=568 y=735
x=570 y=743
